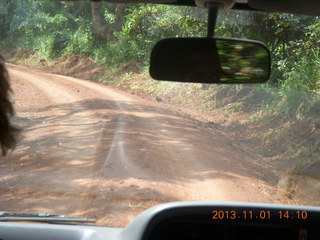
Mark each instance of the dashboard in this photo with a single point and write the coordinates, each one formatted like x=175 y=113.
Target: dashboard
x=188 y=221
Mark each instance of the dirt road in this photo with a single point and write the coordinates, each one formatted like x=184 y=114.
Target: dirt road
x=92 y=151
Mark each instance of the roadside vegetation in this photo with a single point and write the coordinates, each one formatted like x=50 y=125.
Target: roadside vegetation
x=279 y=120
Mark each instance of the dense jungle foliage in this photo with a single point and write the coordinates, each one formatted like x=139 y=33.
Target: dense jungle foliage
x=116 y=33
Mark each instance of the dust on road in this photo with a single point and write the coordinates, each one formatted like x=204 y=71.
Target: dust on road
x=92 y=151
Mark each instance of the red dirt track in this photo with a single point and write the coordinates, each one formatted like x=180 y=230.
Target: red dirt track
x=92 y=151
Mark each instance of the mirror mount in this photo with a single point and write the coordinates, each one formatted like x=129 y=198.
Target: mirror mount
x=213 y=9
x=224 y=4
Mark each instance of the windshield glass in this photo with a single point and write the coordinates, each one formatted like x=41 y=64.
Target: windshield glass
x=100 y=139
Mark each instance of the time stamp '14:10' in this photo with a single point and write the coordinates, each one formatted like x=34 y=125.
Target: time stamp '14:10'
x=261 y=214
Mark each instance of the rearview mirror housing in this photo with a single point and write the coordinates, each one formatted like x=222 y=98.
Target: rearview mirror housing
x=210 y=60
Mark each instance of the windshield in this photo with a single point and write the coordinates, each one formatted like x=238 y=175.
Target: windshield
x=100 y=139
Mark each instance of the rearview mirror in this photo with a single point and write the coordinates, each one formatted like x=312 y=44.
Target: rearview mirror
x=210 y=60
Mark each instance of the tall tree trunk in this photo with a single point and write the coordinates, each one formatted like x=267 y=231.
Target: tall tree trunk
x=119 y=18
x=4 y=26
x=101 y=27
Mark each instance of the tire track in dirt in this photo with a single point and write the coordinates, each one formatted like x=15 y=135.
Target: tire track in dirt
x=57 y=132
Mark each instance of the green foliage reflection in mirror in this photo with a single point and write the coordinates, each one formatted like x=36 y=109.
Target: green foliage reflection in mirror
x=243 y=61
